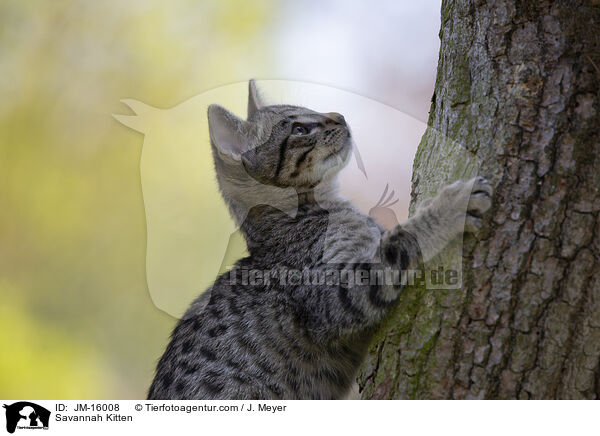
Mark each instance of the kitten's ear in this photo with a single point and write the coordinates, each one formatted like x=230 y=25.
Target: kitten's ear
x=254 y=100
x=227 y=132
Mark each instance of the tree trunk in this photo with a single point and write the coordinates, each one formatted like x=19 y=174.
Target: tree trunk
x=518 y=87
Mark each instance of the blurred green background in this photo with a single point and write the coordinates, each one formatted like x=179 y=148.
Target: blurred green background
x=76 y=320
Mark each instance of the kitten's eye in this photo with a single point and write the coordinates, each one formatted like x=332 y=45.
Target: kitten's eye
x=299 y=129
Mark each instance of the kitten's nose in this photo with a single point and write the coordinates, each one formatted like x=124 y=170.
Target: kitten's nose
x=335 y=117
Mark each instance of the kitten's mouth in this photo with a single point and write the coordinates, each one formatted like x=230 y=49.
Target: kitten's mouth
x=331 y=155
x=337 y=151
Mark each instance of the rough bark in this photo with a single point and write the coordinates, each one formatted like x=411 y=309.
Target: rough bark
x=517 y=86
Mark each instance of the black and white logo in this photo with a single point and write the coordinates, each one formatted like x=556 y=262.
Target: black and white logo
x=26 y=415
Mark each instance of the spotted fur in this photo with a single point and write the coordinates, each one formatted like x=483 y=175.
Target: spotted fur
x=296 y=341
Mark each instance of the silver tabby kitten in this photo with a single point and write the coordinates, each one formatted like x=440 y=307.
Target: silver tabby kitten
x=292 y=339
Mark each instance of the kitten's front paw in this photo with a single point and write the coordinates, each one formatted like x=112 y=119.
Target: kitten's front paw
x=471 y=198
x=480 y=201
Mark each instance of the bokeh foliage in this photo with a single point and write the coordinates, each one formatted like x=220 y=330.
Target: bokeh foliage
x=76 y=320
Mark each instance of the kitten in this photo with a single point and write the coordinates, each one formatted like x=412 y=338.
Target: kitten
x=270 y=338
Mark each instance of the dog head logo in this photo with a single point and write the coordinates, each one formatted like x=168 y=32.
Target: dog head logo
x=26 y=415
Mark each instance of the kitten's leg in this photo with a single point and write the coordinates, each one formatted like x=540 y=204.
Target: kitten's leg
x=456 y=208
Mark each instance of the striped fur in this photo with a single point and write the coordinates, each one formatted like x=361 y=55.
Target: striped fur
x=293 y=340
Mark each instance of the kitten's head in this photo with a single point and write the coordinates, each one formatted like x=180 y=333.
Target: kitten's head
x=280 y=145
